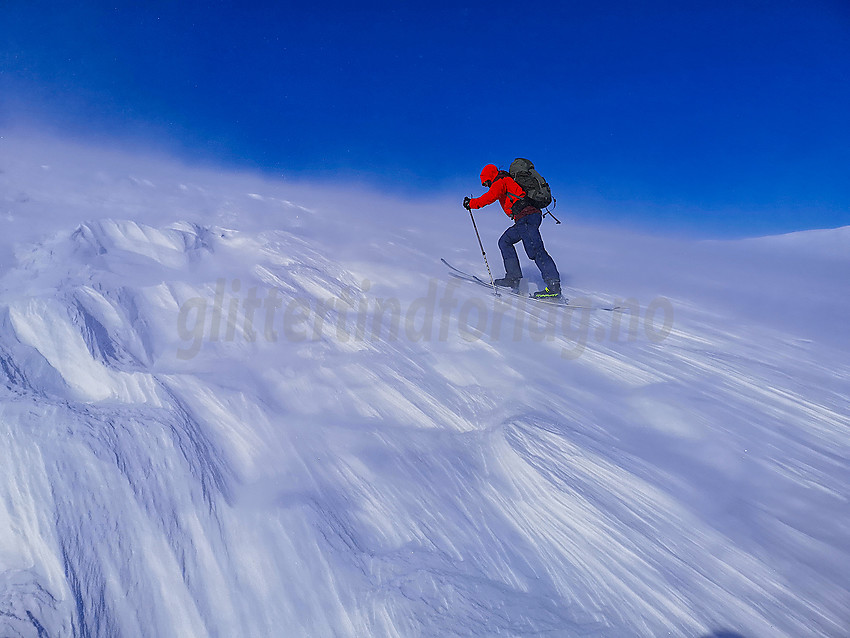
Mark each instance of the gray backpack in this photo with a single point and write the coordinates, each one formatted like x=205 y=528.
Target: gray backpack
x=537 y=191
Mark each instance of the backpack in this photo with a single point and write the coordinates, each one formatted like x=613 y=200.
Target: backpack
x=537 y=191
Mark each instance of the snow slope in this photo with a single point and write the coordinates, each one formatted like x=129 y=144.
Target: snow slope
x=240 y=407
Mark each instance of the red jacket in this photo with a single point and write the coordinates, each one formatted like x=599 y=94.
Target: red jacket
x=505 y=189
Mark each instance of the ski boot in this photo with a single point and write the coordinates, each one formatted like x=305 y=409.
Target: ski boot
x=507 y=282
x=551 y=291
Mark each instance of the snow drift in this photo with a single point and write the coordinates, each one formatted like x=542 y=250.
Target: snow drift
x=239 y=407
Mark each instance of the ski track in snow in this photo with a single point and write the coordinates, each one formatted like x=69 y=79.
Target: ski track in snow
x=360 y=477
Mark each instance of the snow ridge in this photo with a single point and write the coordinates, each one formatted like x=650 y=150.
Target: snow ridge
x=338 y=463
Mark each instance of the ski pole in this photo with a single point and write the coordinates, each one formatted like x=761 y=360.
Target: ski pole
x=549 y=212
x=483 y=254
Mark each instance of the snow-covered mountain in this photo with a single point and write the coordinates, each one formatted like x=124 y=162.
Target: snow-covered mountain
x=233 y=406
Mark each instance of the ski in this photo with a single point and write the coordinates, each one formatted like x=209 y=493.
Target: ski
x=460 y=274
x=466 y=275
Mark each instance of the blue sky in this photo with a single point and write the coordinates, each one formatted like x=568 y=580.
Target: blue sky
x=715 y=118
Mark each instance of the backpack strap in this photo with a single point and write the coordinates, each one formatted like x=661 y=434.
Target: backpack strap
x=515 y=201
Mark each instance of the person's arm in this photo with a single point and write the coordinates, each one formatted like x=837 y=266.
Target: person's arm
x=490 y=196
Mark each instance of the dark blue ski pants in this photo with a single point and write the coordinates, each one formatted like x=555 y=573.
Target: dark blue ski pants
x=527 y=230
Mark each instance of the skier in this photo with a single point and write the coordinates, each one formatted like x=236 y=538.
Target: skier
x=526 y=228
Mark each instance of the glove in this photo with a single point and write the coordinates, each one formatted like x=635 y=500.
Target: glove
x=466 y=201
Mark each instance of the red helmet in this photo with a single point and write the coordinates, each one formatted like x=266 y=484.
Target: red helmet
x=488 y=174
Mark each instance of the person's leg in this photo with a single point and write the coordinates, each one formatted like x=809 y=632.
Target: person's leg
x=529 y=227
x=506 y=245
